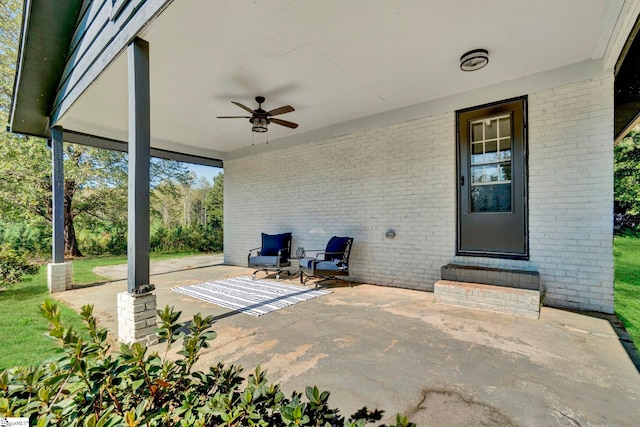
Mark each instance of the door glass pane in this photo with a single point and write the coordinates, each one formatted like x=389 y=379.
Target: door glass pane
x=476 y=132
x=491 y=129
x=490 y=165
x=491 y=173
x=505 y=127
x=505 y=149
x=477 y=153
x=491 y=198
x=477 y=174
x=491 y=151
x=505 y=173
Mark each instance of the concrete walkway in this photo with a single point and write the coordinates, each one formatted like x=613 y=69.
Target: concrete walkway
x=398 y=351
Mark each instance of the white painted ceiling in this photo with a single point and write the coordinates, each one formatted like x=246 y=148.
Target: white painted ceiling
x=333 y=61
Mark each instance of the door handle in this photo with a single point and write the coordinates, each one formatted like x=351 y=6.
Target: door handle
x=462 y=180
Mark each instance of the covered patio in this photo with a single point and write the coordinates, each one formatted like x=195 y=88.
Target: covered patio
x=398 y=148
x=398 y=351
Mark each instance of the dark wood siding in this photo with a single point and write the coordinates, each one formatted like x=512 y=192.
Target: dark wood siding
x=99 y=38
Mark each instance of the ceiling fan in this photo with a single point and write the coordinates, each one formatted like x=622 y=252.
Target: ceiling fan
x=260 y=118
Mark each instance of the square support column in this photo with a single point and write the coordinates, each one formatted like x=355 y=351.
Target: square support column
x=137 y=307
x=139 y=161
x=59 y=273
x=57 y=193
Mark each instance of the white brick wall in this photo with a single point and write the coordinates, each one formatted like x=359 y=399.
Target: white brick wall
x=402 y=177
x=361 y=185
x=571 y=193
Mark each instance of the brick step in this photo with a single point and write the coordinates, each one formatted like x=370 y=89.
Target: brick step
x=523 y=302
x=491 y=276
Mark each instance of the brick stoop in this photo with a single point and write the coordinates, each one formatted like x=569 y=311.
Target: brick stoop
x=523 y=302
x=491 y=276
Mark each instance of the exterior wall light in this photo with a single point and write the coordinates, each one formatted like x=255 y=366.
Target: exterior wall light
x=474 y=60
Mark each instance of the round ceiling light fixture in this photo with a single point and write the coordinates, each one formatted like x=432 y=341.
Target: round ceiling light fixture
x=474 y=60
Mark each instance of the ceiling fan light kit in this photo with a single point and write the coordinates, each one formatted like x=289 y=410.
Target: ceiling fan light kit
x=259 y=124
x=260 y=118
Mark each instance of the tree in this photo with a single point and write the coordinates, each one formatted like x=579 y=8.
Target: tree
x=95 y=187
x=10 y=20
x=201 y=189
x=627 y=180
x=215 y=202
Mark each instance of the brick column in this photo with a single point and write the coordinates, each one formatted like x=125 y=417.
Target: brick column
x=59 y=276
x=137 y=318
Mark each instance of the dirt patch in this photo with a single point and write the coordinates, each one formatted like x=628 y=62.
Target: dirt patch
x=449 y=408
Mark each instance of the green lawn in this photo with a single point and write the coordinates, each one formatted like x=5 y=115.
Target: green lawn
x=22 y=327
x=83 y=267
x=627 y=284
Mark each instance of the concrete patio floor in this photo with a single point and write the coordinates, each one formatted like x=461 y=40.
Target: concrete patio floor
x=398 y=351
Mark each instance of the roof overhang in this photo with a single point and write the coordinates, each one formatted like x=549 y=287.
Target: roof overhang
x=47 y=29
x=627 y=86
x=344 y=66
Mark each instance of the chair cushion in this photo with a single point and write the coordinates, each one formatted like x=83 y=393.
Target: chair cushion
x=327 y=266
x=272 y=243
x=335 y=248
x=306 y=262
x=263 y=260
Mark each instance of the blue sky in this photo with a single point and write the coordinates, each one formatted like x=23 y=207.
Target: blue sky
x=206 y=171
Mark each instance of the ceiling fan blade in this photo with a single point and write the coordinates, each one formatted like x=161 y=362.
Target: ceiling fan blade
x=233 y=117
x=281 y=110
x=244 y=107
x=285 y=123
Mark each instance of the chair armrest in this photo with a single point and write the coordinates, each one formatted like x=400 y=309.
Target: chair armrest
x=279 y=257
x=280 y=252
x=336 y=253
x=253 y=250
x=308 y=255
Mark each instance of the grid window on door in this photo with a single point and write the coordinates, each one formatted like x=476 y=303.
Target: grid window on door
x=490 y=164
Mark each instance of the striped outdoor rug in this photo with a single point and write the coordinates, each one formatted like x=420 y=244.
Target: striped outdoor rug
x=255 y=297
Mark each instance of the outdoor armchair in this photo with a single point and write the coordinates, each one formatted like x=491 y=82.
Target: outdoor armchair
x=273 y=255
x=330 y=263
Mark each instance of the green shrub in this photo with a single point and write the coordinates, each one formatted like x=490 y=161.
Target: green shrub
x=106 y=240
x=112 y=240
x=13 y=266
x=91 y=386
x=117 y=244
x=93 y=242
x=198 y=238
x=25 y=237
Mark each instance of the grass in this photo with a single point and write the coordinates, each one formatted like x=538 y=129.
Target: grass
x=23 y=328
x=83 y=267
x=627 y=284
x=24 y=339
